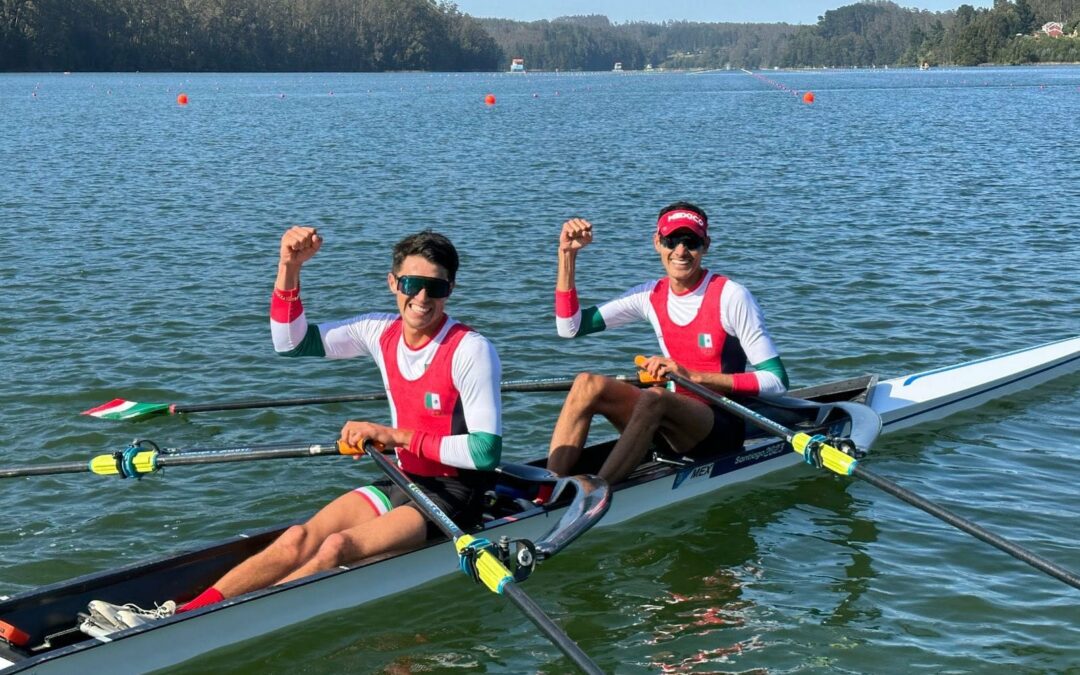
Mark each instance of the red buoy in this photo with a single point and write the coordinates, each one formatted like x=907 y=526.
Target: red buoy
x=808 y=97
x=181 y=99
x=489 y=99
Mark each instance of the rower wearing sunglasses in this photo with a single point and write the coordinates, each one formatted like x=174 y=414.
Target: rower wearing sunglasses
x=442 y=381
x=710 y=330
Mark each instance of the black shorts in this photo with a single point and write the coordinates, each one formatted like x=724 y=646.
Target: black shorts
x=726 y=436
x=461 y=500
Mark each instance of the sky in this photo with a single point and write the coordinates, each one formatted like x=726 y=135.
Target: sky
x=655 y=11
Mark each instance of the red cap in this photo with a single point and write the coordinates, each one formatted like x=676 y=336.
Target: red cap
x=681 y=219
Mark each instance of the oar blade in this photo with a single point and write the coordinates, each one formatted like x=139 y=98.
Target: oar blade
x=119 y=409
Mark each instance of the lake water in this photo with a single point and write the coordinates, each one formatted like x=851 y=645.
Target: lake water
x=905 y=220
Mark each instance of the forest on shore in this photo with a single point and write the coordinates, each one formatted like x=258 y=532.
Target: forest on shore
x=242 y=36
x=434 y=35
x=873 y=33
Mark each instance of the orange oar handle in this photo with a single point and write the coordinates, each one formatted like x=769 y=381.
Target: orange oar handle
x=346 y=449
x=645 y=377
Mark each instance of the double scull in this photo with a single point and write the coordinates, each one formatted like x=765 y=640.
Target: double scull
x=39 y=629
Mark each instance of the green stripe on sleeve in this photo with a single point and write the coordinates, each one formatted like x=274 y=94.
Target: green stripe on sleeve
x=591 y=322
x=485 y=450
x=311 y=345
x=774 y=366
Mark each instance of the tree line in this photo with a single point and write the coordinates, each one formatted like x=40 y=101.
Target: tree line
x=594 y=43
x=882 y=33
x=871 y=33
x=242 y=35
x=379 y=35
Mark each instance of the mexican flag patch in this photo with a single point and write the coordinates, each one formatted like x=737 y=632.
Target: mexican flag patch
x=431 y=402
x=704 y=340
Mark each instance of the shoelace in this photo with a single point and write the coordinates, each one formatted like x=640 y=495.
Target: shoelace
x=158 y=612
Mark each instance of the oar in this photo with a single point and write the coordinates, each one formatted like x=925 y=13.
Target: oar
x=143 y=457
x=820 y=453
x=488 y=568
x=121 y=409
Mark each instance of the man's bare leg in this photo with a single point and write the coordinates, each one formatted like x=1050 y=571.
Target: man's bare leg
x=684 y=422
x=401 y=528
x=295 y=546
x=590 y=395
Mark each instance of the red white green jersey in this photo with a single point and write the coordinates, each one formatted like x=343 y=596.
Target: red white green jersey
x=740 y=338
x=460 y=410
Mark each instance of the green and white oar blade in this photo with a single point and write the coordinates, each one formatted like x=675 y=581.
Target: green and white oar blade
x=119 y=409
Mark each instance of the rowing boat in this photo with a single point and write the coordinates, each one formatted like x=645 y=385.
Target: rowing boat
x=40 y=626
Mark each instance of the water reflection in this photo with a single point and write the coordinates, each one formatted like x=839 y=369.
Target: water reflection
x=721 y=575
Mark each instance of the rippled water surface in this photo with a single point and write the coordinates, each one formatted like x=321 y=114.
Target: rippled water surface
x=905 y=220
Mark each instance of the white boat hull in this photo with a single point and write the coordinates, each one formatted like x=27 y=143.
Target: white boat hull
x=902 y=402
x=924 y=397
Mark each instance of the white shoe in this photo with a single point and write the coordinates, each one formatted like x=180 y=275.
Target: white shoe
x=106 y=615
x=103 y=614
x=93 y=627
x=132 y=616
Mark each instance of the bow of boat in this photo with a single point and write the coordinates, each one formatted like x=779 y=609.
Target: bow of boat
x=935 y=394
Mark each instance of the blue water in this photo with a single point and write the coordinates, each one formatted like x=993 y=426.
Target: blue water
x=905 y=220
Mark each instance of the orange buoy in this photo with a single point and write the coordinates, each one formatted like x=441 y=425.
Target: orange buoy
x=808 y=97
x=181 y=99
x=489 y=99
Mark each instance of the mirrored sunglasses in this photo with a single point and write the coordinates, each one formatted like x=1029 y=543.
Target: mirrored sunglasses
x=411 y=285
x=691 y=241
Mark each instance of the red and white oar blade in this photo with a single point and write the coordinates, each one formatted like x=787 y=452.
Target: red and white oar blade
x=119 y=409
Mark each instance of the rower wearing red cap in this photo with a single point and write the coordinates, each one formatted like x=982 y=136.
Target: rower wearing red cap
x=710 y=330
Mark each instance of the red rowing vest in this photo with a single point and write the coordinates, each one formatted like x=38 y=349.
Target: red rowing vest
x=702 y=344
x=430 y=403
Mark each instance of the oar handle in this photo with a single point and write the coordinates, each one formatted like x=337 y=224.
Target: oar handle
x=753 y=416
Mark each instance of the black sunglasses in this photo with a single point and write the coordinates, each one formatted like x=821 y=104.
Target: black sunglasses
x=412 y=285
x=692 y=242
